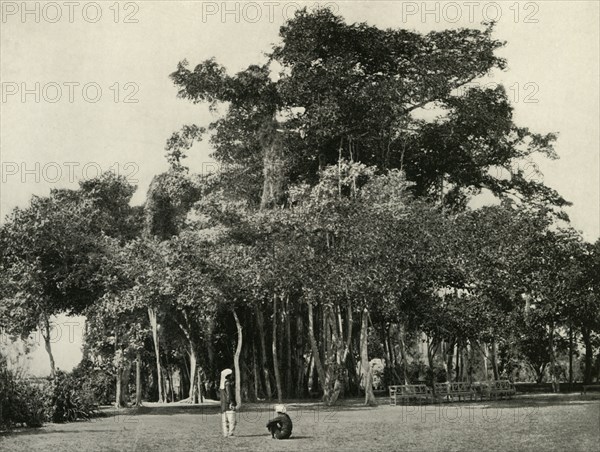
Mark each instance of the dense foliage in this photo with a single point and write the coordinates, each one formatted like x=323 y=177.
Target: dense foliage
x=69 y=398
x=21 y=402
x=31 y=402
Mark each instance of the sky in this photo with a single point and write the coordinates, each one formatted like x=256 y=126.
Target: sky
x=85 y=88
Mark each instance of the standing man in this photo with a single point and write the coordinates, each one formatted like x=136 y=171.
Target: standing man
x=227 y=403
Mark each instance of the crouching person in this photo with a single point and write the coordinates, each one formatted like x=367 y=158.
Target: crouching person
x=228 y=403
x=281 y=426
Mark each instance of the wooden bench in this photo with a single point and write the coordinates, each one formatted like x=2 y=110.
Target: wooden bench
x=586 y=387
x=451 y=390
x=409 y=393
x=494 y=389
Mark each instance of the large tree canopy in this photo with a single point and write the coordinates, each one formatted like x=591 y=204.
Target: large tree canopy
x=352 y=91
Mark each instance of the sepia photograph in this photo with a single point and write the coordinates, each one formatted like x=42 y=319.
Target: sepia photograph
x=300 y=226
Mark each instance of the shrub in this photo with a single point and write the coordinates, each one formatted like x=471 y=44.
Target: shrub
x=418 y=371
x=69 y=399
x=96 y=379
x=21 y=401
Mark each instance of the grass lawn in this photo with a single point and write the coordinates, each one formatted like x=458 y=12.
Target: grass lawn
x=541 y=423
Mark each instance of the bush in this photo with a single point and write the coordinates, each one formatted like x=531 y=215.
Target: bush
x=96 y=379
x=21 y=401
x=69 y=399
x=31 y=402
x=441 y=375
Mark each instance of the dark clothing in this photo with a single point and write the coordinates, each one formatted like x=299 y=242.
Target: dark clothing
x=281 y=426
x=227 y=397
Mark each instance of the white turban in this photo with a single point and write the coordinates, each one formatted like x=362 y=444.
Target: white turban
x=280 y=408
x=224 y=374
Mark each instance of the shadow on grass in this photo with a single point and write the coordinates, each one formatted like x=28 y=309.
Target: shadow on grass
x=42 y=431
x=261 y=435
x=164 y=410
x=268 y=437
x=262 y=407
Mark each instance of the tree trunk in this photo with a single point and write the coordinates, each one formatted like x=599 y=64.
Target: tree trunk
x=236 y=361
x=155 y=338
x=494 y=358
x=390 y=346
x=461 y=355
x=456 y=362
x=288 y=334
x=300 y=386
x=170 y=390
x=450 y=358
x=432 y=349
x=211 y=354
x=444 y=356
x=193 y=366
x=318 y=364
x=386 y=346
x=485 y=361
x=571 y=357
x=589 y=355
x=199 y=379
x=45 y=330
x=402 y=343
x=275 y=357
x=193 y=394
x=340 y=149
x=353 y=370
x=263 y=349
x=539 y=371
x=118 y=395
x=273 y=167
x=118 y=361
x=184 y=386
x=470 y=361
x=255 y=376
x=312 y=379
x=553 y=372
x=338 y=352
x=138 y=379
x=364 y=359
x=330 y=357
x=125 y=374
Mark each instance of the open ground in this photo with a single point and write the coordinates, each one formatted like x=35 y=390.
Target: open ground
x=543 y=422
